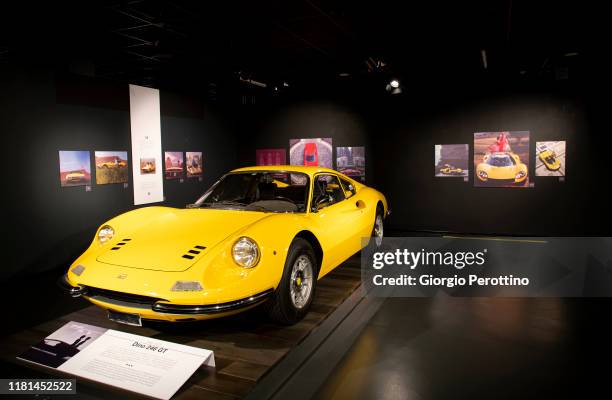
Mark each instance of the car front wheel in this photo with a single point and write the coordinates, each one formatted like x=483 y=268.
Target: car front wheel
x=295 y=292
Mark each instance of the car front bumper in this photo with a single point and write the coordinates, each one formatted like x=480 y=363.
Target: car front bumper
x=160 y=309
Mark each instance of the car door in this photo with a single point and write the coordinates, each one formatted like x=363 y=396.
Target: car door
x=333 y=217
x=364 y=219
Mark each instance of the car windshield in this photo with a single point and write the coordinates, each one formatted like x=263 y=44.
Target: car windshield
x=265 y=191
x=501 y=161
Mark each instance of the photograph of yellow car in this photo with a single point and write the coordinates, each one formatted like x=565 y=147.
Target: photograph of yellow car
x=111 y=167
x=451 y=160
x=194 y=164
x=147 y=166
x=256 y=236
x=75 y=168
x=550 y=158
x=501 y=159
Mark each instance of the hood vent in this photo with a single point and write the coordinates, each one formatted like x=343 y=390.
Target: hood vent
x=121 y=243
x=191 y=253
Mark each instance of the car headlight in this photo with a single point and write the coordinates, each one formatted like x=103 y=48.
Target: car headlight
x=245 y=252
x=520 y=175
x=483 y=174
x=105 y=234
x=186 y=286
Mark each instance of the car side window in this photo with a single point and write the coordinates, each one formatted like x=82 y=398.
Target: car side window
x=326 y=191
x=348 y=187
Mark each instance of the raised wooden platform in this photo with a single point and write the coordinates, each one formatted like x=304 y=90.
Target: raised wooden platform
x=246 y=346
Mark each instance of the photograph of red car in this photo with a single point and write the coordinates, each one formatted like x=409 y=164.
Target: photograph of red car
x=351 y=161
x=173 y=164
x=271 y=156
x=311 y=152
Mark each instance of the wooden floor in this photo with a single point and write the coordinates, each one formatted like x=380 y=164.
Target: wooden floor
x=246 y=346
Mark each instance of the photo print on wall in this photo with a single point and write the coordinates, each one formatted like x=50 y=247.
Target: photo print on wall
x=550 y=158
x=147 y=166
x=111 y=167
x=75 y=168
x=173 y=164
x=194 y=164
x=351 y=162
x=501 y=159
x=451 y=160
x=270 y=157
x=311 y=152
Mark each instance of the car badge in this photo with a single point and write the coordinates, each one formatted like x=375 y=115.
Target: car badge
x=121 y=276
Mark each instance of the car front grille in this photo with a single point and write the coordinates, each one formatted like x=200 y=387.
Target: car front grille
x=120 y=296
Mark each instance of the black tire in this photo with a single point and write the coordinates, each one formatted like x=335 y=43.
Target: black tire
x=379 y=214
x=281 y=307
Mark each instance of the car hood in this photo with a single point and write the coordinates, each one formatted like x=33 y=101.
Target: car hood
x=500 y=172
x=176 y=239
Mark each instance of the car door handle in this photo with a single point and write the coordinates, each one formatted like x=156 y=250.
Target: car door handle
x=360 y=204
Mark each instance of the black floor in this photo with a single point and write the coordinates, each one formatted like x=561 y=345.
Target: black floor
x=481 y=348
x=434 y=348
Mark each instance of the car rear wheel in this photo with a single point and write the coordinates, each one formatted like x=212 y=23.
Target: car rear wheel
x=295 y=292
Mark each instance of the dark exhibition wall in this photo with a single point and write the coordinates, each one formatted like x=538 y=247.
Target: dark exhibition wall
x=51 y=112
x=400 y=132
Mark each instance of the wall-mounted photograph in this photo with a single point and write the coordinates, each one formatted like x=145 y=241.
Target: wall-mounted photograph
x=173 y=164
x=271 y=157
x=550 y=158
x=111 y=167
x=147 y=166
x=451 y=160
x=75 y=168
x=194 y=164
x=351 y=161
x=311 y=152
x=501 y=159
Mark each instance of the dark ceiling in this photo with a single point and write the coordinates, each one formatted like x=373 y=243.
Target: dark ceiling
x=184 y=43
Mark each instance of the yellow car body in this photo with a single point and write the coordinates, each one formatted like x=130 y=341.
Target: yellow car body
x=155 y=247
x=449 y=170
x=147 y=168
x=112 y=164
x=501 y=167
x=75 y=177
x=550 y=160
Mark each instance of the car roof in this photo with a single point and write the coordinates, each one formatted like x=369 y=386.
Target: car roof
x=288 y=168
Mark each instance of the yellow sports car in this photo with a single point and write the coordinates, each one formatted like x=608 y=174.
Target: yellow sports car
x=549 y=158
x=501 y=167
x=75 y=176
x=112 y=164
x=259 y=234
x=147 y=168
x=450 y=170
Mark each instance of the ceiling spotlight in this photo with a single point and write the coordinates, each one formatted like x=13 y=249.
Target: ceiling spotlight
x=393 y=87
